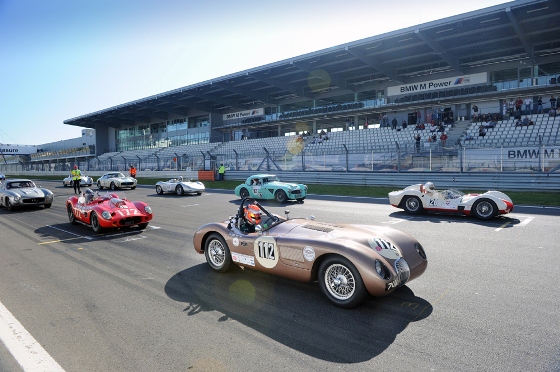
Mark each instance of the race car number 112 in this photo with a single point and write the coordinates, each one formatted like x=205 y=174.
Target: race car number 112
x=266 y=251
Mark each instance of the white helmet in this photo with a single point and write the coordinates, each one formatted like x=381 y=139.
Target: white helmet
x=429 y=187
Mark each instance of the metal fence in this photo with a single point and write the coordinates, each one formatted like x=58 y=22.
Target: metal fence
x=541 y=158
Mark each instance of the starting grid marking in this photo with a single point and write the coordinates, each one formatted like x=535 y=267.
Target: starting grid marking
x=509 y=224
x=22 y=345
x=97 y=237
x=523 y=223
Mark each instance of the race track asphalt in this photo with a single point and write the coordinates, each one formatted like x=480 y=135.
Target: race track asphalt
x=146 y=301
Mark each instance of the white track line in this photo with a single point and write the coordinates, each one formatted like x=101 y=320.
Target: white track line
x=25 y=349
x=71 y=233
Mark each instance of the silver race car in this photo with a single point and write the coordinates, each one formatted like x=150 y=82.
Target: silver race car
x=116 y=180
x=84 y=181
x=418 y=198
x=19 y=192
x=180 y=186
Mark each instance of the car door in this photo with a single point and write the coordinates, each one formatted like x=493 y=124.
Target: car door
x=169 y=186
x=268 y=189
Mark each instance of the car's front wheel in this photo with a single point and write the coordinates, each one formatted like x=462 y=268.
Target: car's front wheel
x=133 y=187
x=484 y=209
x=280 y=196
x=217 y=253
x=95 y=223
x=243 y=193
x=413 y=205
x=142 y=226
x=179 y=190
x=159 y=190
x=112 y=186
x=47 y=205
x=9 y=205
x=71 y=216
x=99 y=185
x=341 y=282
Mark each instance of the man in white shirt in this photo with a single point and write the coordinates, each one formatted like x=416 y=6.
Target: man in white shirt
x=528 y=105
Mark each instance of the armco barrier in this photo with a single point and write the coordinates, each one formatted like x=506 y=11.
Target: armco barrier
x=470 y=181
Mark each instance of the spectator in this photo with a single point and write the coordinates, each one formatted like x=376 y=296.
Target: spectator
x=511 y=106
x=528 y=104
x=552 y=112
x=518 y=105
x=417 y=140
x=475 y=109
x=366 y=123
x=489 y=124
x=469 y=137
x=552 y=102
x=518 y=123
x=557 y=111
x=221 y=172
x=474 y=119
x=443 y=139
x=132 y=171
x=394 y=123
x=539 y=106
x=404 y=125
x=481 y=131
x=505 y=109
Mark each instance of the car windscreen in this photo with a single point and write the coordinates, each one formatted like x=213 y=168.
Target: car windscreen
x=20 y=185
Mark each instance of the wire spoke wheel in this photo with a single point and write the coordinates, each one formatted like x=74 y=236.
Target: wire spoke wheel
x=217 y=253
x=413 y=205
x=340 y=281
x=485 y=209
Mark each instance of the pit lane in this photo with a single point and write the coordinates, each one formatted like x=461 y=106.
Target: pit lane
x=144 y=300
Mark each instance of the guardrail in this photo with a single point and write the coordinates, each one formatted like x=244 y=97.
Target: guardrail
x=513 y=181
x=476 y=180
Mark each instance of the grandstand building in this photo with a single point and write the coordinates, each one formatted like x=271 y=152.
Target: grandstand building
x=353 y=93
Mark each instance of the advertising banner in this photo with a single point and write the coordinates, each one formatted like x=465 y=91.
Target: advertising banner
x=429 y=85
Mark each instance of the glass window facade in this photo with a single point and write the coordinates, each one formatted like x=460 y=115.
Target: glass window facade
x=164 y=134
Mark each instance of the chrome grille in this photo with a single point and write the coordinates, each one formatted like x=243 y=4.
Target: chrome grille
x=403 y=271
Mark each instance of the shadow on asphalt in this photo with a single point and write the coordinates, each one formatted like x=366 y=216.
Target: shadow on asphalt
x=297 y=314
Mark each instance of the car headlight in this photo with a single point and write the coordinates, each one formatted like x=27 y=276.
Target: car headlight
x=148 y=209
x=17 y=198
x=380 y=268
x=106 y=215
x=305 y=187
x=420 y=250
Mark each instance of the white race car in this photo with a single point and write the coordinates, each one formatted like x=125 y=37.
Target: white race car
x=418 y=198
x=84 y=181
x=179 y=186
x=116 y=180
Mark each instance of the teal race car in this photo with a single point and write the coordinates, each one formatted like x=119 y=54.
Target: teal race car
x=268 y=186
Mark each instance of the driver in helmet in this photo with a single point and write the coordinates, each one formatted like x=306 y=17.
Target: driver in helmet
x=428 y=188
x=251 y=218
x=89 y=195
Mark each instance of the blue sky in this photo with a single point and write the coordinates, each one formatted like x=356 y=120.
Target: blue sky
x=64 y=58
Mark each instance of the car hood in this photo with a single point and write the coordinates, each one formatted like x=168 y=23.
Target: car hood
x=28 y=192
x=280 y=184
x=349 y=235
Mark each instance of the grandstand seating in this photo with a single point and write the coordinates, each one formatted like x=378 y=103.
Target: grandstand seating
x=546 y=129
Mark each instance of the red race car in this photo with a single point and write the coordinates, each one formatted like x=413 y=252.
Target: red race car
x=107 y=211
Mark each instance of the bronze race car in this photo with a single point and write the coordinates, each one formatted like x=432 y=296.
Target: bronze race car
x=347 y=260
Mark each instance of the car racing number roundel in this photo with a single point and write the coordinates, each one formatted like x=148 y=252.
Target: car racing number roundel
x=266 y=251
